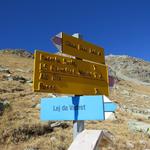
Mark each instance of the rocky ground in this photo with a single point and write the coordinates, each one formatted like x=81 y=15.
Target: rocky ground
x=20 y=126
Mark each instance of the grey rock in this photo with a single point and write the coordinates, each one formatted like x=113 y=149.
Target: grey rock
x=21 y=79
x=112 y=117
x=130 y=68
x=56 y=124
x=62 y=124
x=3 y=106
x=33 y=99
x=6 y=103
x=51 y=95
x=29 y=81
x=53 y=139
x=29 y=71
x=37 y=106
x=33 y=106
x=143 y=113
x=111 y=72
x=20 y=70
x=8 y=77
x=142 y=142
x=139 y=126
x=125 y=92
x=4 y=70
x=129 y=145
x=18 y=52
x=32 y=148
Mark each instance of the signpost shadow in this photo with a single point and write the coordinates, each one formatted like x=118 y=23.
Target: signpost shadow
x=75 y=102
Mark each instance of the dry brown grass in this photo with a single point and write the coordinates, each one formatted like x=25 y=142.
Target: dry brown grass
x=20 y=126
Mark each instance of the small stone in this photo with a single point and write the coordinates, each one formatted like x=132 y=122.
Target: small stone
x=37 y=106
x=142 y=142
x=33 y=99
x=51 y=95
x=20 y=70
x=3 y=106
x=139 y=126
x=148 y=131
x=31 y=149
x=29 y=81
x=6 y=103
x=112 y=117
x=125 y=92
x=53 y=139
x=33 y=106
x=4 y=70
x=129 y=145
x=8 y=77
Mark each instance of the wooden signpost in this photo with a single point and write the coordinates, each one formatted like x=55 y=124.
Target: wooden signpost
x=59 y=74
x=83 y=74
x=79 y=48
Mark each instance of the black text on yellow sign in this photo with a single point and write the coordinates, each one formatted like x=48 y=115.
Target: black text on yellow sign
x=81 y=49
x=59 y=74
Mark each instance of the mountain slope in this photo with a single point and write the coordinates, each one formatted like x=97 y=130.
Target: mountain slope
x=130 y=68
x=21 y=128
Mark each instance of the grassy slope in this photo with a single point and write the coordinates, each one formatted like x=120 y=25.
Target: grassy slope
x=21 y=128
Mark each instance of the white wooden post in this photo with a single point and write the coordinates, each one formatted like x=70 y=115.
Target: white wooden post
x=78 y=126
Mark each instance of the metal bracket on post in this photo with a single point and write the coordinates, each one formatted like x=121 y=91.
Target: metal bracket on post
x=78 y=126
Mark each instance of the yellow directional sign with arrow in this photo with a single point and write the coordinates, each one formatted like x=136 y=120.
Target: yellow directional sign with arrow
x=79 y=48
x=58 y=74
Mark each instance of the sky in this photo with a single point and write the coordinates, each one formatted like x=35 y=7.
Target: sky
x=121 y=27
